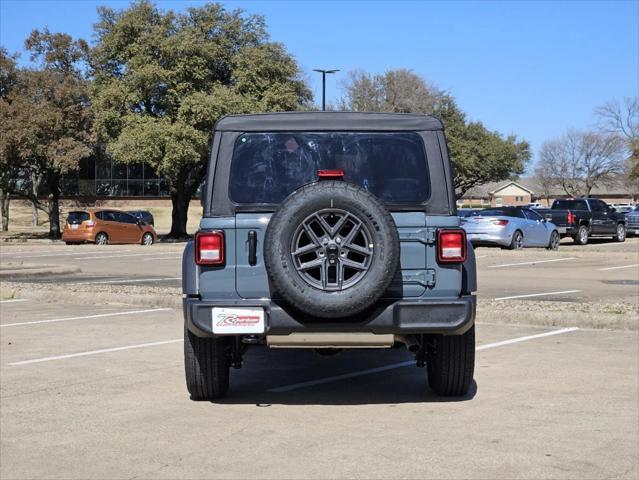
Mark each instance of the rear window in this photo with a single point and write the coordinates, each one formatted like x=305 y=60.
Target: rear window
x=570 y=205
x=267 y=167
x=77 y=217
x=503 y=212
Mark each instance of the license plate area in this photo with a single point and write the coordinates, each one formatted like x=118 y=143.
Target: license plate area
x=237 y=321
x=74 y=226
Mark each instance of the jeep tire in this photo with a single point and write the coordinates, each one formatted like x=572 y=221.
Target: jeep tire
x=206 y=364
x=450 y=362
x=340 y=295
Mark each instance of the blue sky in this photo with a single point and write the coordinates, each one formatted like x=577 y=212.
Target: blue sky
x=529 y=68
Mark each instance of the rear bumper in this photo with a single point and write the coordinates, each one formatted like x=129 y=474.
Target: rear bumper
x=77 y=236
x=479 y=239
x=448 y=317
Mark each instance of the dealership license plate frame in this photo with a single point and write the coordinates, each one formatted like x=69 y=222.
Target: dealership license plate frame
x=238 y=321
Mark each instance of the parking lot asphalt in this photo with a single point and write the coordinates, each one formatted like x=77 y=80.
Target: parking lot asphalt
x=98 y=392
x=600 y=271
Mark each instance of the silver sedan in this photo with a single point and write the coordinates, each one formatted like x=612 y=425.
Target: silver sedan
x=511 y=227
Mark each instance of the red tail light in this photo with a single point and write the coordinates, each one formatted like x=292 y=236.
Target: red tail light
x=330 y=174
x=209 y=248
x=89 y=223
x=500 y=223
x=571 y=218
x=451 y=246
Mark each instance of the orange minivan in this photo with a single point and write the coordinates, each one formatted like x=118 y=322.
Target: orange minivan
x=106 y=226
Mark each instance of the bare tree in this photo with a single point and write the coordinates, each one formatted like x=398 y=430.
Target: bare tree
x=399 y=91
x=545 y=180
x=579 y=161
x=622 y=118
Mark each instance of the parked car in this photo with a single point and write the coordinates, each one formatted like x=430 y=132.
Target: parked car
x=511 y=227
x=623 y=207
x=632 y=221
x=144 y=215
x=106 y=226
x=467 y=212
x=535 y=205
x=583 y=218
x=329 y=230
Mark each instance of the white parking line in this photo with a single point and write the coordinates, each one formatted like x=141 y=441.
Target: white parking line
x=130 y=280
x=14 y=300
x=321 y=381
x=99 y=257
x=176 y=257
x=531 y=263
x=537 y=294
x=96 y=352
x=66 y=319
x=618 y=268
x=27 y=255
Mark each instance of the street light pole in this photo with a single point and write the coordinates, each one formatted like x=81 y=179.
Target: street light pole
x=324 y=72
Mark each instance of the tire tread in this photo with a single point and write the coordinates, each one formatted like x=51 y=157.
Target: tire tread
x=206 y=366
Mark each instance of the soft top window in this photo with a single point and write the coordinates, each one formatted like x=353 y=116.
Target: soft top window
x=503 y=212
x=267 y=167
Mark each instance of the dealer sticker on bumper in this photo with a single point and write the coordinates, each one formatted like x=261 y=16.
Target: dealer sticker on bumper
x=238 y=320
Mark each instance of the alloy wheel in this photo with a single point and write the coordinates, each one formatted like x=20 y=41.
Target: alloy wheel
x=332 y=249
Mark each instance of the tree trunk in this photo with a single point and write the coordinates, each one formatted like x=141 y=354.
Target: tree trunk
x=179 y=215
x=34 y=214
x=4 y=209
x=35 y=188
x=54 y=205
x=185 y=186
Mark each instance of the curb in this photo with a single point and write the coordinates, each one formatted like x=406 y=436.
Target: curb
x=45 y=241
x=485 y=315
x=26 y=272
x=104 y=298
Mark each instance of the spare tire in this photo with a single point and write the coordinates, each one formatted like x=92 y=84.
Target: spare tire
x=331 y=249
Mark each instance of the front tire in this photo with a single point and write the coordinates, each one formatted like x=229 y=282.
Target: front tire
x=553 y=244
x=450 y=363
x=620 y=235
x=206 y=366
x=582 y=236
x=517 y=242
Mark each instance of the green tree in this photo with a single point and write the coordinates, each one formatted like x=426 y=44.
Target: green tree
x=162 y=79
x=479 y=155
x=8 y=171
x=46 y=122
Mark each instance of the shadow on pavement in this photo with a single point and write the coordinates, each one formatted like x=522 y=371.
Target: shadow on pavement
x=267 y=369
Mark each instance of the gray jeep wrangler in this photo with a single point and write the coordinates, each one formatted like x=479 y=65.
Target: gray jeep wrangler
x=328 y=231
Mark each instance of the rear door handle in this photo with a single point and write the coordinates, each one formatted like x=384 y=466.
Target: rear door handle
x=252 y=247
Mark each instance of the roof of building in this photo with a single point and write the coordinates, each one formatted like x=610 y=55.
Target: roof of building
x=618 y=185
x=507 y=184
x=328 y=121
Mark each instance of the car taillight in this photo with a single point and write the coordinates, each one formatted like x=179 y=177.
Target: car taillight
x=330 y=174
x=90 y=223
x=451 y=246
x=500 y=223
x=209 y=248
x=571 y=218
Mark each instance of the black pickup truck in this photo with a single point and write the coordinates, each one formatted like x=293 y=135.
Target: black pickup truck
x=585 y=217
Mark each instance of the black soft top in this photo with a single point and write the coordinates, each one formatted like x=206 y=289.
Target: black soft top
x=328 y=121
